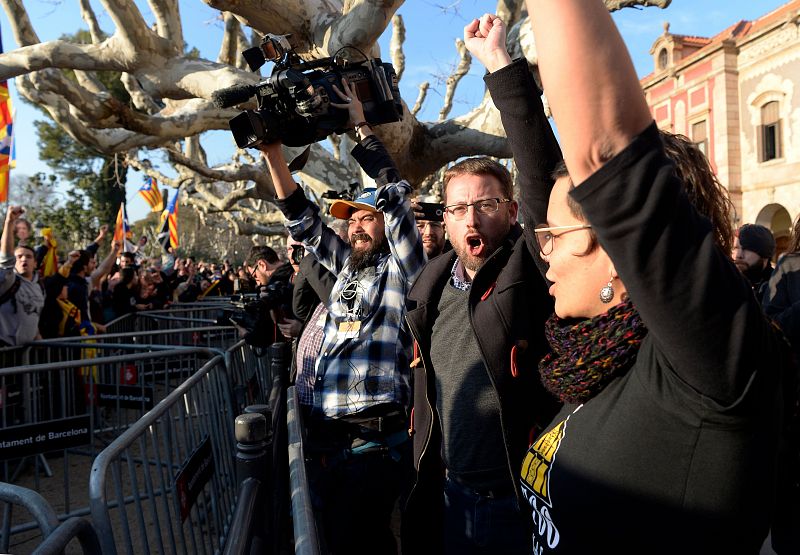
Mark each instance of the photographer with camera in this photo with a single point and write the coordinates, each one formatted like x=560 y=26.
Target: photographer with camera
x=361 y=390
x=260 y=322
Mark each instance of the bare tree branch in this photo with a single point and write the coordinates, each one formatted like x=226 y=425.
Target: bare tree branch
x=465 y=60
x=20 y=23
x=396 y=45
x=228 y=173
x=87 y=14
x=131 y=28
x=229 y=49
x=168 y=22
x=423 y=92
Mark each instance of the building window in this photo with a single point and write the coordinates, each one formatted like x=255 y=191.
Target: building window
x=769 y=133
x=663 y=59
x=700 y=136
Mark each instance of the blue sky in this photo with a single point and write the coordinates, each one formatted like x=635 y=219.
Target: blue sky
x=431 y=29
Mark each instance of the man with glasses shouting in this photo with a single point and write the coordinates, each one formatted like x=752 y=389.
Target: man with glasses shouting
x=478 y=324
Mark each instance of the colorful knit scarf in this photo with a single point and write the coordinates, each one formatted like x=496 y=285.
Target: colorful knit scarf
x=589 y=354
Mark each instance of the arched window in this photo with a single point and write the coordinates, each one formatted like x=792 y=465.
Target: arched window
x=663 y=59
x=769 y=137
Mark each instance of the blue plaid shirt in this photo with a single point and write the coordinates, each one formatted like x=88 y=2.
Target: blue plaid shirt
x=370 y=366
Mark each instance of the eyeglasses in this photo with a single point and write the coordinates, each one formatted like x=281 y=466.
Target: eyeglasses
x=546 y=237
x=251 y=270
x=486 y=206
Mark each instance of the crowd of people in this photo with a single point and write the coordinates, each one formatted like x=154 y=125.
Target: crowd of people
x=82 y=293
x=599 y=366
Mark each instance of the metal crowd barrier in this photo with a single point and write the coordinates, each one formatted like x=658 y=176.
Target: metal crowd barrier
x=56 y=536
x=306 y=538
x=168 y=483
x=123 y=324
x=71 y=410
x=212 y=337
x=162 y=427
x=11 y=496
x=262 y=510
x=179 y=316
x=251 y=375
x=72 y=529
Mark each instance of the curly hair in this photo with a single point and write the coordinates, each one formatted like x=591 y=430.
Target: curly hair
x=702 y=186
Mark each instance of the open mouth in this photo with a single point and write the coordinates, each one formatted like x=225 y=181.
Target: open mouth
x=475 y=245
x=360 y=240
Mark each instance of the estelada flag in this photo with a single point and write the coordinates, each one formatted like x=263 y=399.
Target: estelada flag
x=152 y=195
x=122 y=230
x=168 y=235
x=6 y=126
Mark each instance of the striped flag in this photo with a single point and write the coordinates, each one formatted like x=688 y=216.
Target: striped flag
x=152 y=195
x=6 y=127
x=168 y=235
x=122 y=229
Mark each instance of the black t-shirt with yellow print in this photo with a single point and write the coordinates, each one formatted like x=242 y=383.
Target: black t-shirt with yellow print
x=678 y=454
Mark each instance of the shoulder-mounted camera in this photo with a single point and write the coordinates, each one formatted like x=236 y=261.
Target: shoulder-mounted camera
x=294 y=103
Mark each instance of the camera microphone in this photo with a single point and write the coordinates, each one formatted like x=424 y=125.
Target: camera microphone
x=231 y=96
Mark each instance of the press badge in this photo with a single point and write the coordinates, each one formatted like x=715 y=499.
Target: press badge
x=348 y=330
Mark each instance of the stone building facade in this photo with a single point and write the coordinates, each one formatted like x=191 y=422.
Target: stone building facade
x=734 y=95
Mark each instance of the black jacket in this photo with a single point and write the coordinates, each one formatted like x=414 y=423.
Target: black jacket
x=508 y=305
x=312 y=284
x=78 y=294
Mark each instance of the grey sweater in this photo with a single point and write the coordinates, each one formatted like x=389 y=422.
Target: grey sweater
x=19 y=321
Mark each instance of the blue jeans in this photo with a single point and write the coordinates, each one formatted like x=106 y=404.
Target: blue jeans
x=477 y=525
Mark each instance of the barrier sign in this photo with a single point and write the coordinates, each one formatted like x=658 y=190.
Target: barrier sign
x=196 y=471
x=124 y=396
x=50 y=435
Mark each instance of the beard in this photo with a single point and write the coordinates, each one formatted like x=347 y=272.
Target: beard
x=364 y=257
x=472 y=262
x=753 y=273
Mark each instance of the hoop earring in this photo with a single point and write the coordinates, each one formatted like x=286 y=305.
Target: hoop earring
x=607 y=293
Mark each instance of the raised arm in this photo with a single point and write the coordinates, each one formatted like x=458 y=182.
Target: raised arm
x=278 y=169
x=596 y=98
x=94 y=246
x=7 y=239
x=105 y=267
x=530 y=136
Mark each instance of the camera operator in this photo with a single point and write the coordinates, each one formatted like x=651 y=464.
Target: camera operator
x=361 y=390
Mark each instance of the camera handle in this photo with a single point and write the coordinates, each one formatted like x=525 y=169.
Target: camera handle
x=379 y=74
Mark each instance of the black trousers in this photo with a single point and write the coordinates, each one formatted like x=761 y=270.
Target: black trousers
x=354 y=496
